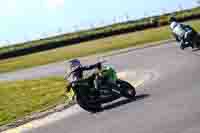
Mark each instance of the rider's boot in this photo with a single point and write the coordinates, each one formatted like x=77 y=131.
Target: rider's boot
x=183 y=46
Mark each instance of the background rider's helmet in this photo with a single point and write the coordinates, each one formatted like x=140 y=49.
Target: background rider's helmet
x=172 y=19
x=173 y=25
x=74 y=64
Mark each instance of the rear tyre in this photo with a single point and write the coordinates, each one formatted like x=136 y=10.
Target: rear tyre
x=126 y=89
x=90 y=107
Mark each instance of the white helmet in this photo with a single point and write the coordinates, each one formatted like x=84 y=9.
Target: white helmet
x=173 y=25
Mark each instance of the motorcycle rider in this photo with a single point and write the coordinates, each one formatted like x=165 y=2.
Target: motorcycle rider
x=77 y=70
x=182 y=33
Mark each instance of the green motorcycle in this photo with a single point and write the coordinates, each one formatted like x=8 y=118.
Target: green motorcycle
x=110 y=88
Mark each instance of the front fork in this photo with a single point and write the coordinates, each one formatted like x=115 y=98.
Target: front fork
x=113 y=87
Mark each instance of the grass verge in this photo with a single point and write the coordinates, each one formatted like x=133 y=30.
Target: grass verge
x=21 y=98
x=88 y=48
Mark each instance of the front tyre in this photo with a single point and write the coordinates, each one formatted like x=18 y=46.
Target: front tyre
x=126 y=89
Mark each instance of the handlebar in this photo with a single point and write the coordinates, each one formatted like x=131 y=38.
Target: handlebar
x=68 y=75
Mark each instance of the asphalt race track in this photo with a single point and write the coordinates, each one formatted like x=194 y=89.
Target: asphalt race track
x=167 y=100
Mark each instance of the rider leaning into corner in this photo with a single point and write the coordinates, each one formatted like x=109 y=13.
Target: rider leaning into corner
x=76 y=75
x=76 y=72
x=182 y=32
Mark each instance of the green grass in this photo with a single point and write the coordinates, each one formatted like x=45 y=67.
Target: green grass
x=20 y=98
x=88 y=48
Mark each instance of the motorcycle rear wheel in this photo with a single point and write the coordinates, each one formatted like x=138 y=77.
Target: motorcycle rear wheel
x=90 y=107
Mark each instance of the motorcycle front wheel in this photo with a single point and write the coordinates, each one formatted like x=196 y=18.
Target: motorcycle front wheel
x=126 y=89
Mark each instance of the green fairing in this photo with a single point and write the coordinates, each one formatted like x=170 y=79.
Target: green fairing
x=109 y=73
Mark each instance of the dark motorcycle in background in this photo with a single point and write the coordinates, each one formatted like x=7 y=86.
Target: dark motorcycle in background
x=191 y=38
x=90 y=99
